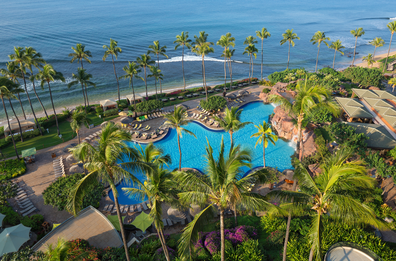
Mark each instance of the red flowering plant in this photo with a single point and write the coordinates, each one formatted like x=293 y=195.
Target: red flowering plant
x=80 y=246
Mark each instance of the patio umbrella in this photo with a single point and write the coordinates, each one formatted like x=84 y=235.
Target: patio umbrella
x=231 y=95
x=123 y=113
x=1 y=219
x=176 y=215
x=12 y=238
x=143 y=221
x=29 y=152
x=126 y=120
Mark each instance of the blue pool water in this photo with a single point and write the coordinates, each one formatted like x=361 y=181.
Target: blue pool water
x=193 y=149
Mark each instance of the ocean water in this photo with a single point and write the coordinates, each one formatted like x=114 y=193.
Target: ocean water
x=52 y=27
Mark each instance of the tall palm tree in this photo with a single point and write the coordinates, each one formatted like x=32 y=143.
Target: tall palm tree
x=158 y=50
x=221 y=187
x=377 y=42
x=15 y=89
x=392 y=28
x=251 y=50
x=153 y=154
x=289 y=37
x=145 y=61
x=228 y=55
x=264 y=135
x=177 y=120
x=82 y=78
x=47 y=75
x=334 y=192
x=103 y=163
x=132 y=70
x=356 y=33
x=226 y=41
x=113 y=50
x=182 y=40
x=231 y=122
x=79 y=119
x=263 y=34
x=202 y=47
x=369 y=59
x=336 y=46
x=157 y=75
x=392 y=82
x=20 y=57
x=318 y=38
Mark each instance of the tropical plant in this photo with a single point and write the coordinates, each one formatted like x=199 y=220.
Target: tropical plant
x=364 y=76
x=182 y=40
x=226 y=41
x=16 y=89
x=106 y=163
x=62 y=252
x=80 y=54
x=228 y=55
x=369 y=59
x=263 y=34
x=113 y=50
x=336 y=46
x=157 y=75
x=392 y=28
x=158 y=50
x=359 y=32
x=145 y=61
x=84 y=79
x=377 y=42
x=318 y=38
x=79 y=119
x=153 y=154
x=265 y=135
x=251 y=50
x=392 y=82
x=48 y=74
x=289 y=37
x=132 y=70
x=290 y=77
x=176 y=120
x=214 y=103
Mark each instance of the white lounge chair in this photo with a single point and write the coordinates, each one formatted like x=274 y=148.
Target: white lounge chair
x=144 y=206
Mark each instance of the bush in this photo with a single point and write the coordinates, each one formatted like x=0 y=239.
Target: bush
x=12 y=168
x=266 y=83
x=99 y=110
x=346 y=135
x=214 y=103
x=47 y=123
x=266 y=90
x=249 y=250
x=364 y=76
x=11 y=217
x=34 y=222
x=374 y=160
x=110 y=112
x=149 y=106
x=26 y=135
x=66 y=112
x=8 y=190
x=122 y=104
x=79 y=246
x=322 y=115
x=24 y=254
x=280 y=76
x=1 y=131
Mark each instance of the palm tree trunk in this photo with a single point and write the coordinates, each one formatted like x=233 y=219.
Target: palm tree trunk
x=38 y=98
x=386 y=61
x=163 y=243
x=159 y=79
x=250 y=80
x=374 y=52
x=288 y=225
x=178 y=143
x=155 y=80
x=20 y=102
x=9 y=127
x=121 y=227
x=204 y=78
x=299 y=140
x=231 y=144
x=145 y=81
x=235 y=216
x=225 y=71
x=115 y=73
x=16 y=117
x=222 y=234
x=86 y=91
x=250 y=65
x=230 y=69
x=78 y=136
x=85 y=104
x=263 y=153
x=354 y=52
x=133 y=92
x=30 y=102
x=262 y=57
x=288 y=58
x=317 y=58
x=53 y=107
x=335 y=52
x=184 y=79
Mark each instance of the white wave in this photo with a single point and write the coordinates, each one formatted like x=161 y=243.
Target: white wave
x=292 y=144
x=349 y=42
x=273 y=104
x=192 y=58
x=394 y=18
x=29 y=84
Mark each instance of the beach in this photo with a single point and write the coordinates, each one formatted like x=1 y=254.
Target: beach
x=378 y=57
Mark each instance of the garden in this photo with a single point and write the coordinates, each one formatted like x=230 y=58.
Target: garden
x=12 y=168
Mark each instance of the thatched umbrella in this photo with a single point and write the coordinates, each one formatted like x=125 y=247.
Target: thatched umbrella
x=194 y=210
x=70 y=159
x=176 y=215
x=76 y=169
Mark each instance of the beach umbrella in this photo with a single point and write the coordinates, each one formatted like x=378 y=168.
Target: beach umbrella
x=143 y=221
x=12 y=238
x=176 y=215
x=231 y=95
x=123 y=113
x=194 y=209
x=1 y=219
x=126 y=120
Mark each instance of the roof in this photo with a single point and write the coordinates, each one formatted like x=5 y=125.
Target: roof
x=108 y=102
x=379 y=137
x=24 y=123
x=385 y=109
x=379 y=94
x=354 y=108
x=137 y=97
x=90 y=224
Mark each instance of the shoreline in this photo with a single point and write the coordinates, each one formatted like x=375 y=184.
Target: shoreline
x=378 y=56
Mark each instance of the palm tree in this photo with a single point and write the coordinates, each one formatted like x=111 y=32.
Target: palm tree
x=176 y=120
x=336 y=46
x=289 y=37
x=356 y=33
x=153 y=154
x=202 y=48
x=5 y=85
x=103 y=163
x=182 y=40
x=318 y=38
x=79 y=119
x=132 y=70
x=377 y=42
x=16 y=89
x=62 y=252
x=47 y=75
x=226 y=41
x=231 y=122
x=334 y=192
x=392 y=28
x=392 y=82
x=84 y=79
x=251 y=50
x=264 y=135
x=158 y=50
x=228 y=55
x=157 y=75
x=145 y=61
x=263 y=34
x=221 y=187
x=369 y=59
x=114 y=50
x=20 y=57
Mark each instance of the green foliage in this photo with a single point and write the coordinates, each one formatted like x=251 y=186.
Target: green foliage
x=266 y=90
x=280 y=76
x=26 y=135
x=46 y=123
x=249 y=250
x=214 y=103
x=149 y=106
x=12 y=218
x=57 y=193
x=331 y=71
x=8 y=190
x=266 y=83
x=110 y=112
x=12 y=168
x=34 y=221
x=320 y=116
x=364 y=76
x=392 y=153
x=99 y=110
x=1 y=131
x=24 y=254
x=122 y=104
x=346 y=135
x=374 y=160
x=114 y=254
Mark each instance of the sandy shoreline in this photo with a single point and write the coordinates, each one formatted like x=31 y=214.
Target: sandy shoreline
x=378 y=56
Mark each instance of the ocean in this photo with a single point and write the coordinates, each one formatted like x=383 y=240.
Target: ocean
x=53 y=27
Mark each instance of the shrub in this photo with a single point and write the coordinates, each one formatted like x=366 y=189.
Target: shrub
x=1 y=131
x=214 y=103
x=346 y=135
x=374 y=160
x=122 y=104
x=250 y=250
x=114 y=254
x=26 y=135
x=8 y=190
x=99 y=110
x=12 y=168
x=149 y=106
x=110 y=112
x=280 y=76
x=266 y=90
x=11 y=217
x=364 y=76
x=322 y=115
x=159 y=254
x=79 y=246
x=24 y=254
x=266 y=83
x=34 y=221
x=47 y=123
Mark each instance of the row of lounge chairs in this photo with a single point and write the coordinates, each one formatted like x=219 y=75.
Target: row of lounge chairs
x=124 y=209
x=152 y=116
x=24 y=203
x=93 y=136
x=204 y=119
x=59 y=168
x=146 y=136
x=138 y=126
x=168 y=223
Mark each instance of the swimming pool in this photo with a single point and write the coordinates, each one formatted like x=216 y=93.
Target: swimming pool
x=193 y=149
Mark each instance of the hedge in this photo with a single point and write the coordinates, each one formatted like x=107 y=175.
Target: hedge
x=364 y=76
x=280 y=76
x=214 y=103
x=26 y=135
x=12 y=168
x=47 y=123
x=149 y=106
x=110 y=112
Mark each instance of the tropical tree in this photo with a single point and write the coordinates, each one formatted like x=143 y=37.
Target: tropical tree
x=62 y=252
x=290 y=77
x=226 y=41
x=223 y=186
x=392 y=82
x=82 y=78
x=158 y=50
x=157 y=75
x=377 y=42
x=106 y=163
x=289 y=37
x=228 y=55
x=145 y=61
x=318 y=38
x=177 y=120
x=15 y=89
x=79 y=119
x=251 y=50
x=113 y=50
x=336 y=46
x=202 y=47
x=263 y=34
x=47 y=75
x=183 y=41
x=392 y=28
x=132 y=70
x=22 y=59
x=153 y=154
x=356 y=33
x=369 y=59
x=264 y=135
